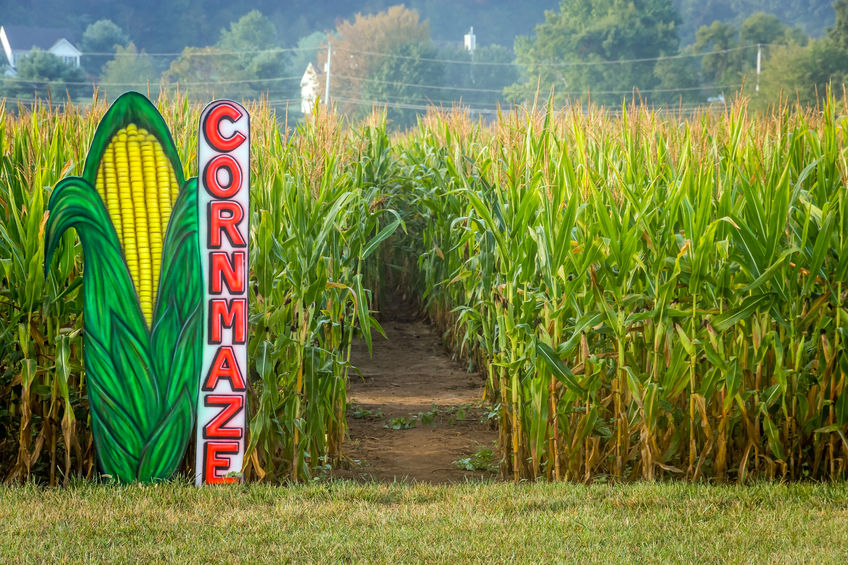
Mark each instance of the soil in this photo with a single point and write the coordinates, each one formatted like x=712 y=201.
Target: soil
x=413 y=412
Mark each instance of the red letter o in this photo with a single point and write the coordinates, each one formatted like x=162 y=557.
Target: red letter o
x=210 y=176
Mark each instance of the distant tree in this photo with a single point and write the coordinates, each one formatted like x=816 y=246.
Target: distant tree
x=678 y=81
x=839 y=32
x=170 y=25
x=696 y=14
x=45 y=75
x=723 y=63
x=307 y=47
x=254 y=37
x=241 y=61
x=803 y=74
x=102 y=37
x=575 y=49
x=730 y=53
x=763 y=28
x=811 y=16
x=394 y=80
x=480 y=82
x=196 y=71
x=361 y=45
x=129 y=70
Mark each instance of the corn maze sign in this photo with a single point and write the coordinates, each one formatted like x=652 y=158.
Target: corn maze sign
x=165 y=292
x=224 y=157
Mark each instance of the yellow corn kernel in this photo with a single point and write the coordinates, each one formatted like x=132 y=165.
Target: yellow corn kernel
x=139 y=187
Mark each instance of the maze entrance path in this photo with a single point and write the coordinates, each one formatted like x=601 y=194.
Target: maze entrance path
x=414 y=411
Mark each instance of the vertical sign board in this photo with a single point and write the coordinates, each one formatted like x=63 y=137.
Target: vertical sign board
x=223 y=207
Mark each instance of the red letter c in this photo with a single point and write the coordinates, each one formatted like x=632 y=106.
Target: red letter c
x=212 y=128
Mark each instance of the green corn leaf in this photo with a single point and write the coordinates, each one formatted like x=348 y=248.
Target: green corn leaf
x=131 y=108
x=750 y=305
x=773 y=436
x=383 y=234
x=556 y=366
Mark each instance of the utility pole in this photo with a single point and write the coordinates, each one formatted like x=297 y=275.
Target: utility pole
x=470 y=43
x=759 y=65
x=327 y=70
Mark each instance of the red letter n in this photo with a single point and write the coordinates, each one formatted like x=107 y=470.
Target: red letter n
x=222 y=271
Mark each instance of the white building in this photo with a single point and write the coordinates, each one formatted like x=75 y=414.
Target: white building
x=17 y=41
x=309 y=89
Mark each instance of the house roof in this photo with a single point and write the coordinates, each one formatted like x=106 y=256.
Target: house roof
x=24 y=38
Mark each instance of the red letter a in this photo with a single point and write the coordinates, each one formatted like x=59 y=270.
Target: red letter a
x=224 y=366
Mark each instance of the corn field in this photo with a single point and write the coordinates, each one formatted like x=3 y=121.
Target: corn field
x=647 y=296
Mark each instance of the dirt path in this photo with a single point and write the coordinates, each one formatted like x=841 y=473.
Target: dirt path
x=414 y=412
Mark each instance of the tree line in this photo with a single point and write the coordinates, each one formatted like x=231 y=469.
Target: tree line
x=606 y=51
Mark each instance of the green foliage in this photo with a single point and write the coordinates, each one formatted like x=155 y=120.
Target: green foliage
x=401 y=423
x=730 y=52
x=556 y=56
x=811 y=16
x=839 y=32
x=395 y=78
x=803 y=74
x=243 y=60
x=252 y=32
x=480 y=460
x=679 y=81
x=724 y=64
x=46 y=75
x=360 y=413
x=485 y=81
x=196 y=70
x=308 y=47
x=101 y=38
x=129 y=70
x=761 y=27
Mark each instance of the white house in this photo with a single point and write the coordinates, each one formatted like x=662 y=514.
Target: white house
x=309 y=89
x=17 y=41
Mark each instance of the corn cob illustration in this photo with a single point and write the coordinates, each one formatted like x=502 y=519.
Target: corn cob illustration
x=136 y=217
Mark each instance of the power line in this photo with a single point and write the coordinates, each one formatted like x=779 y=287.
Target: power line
x=424 y=99
x=142 y=83
x=681 y=109
x=549 y=64
x=500 y=91
x=413 y=101
x=215 y=53
x=638 y=90
x=212 y=52
x=396 y=83
x=402 y=105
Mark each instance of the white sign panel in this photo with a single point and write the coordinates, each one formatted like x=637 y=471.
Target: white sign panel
x=223 y=206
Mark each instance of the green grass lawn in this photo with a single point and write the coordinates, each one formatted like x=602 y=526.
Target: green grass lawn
x=490 y=522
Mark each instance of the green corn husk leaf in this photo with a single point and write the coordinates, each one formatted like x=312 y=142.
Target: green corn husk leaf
x=142 y=384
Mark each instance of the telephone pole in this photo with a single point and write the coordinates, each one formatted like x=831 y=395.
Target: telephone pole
x=759 y=65
x=327 y=70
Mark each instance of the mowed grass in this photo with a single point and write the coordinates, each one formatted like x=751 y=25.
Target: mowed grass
x=488 y=522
